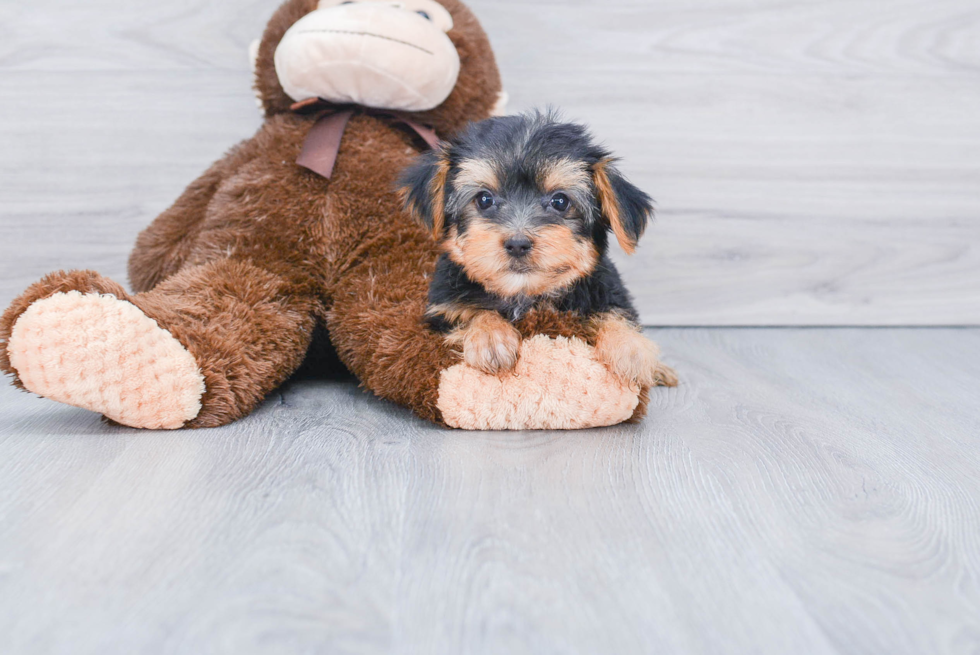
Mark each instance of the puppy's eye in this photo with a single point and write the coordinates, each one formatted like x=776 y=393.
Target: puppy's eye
x=485 y=200
x=424 y=15
x=560 y=202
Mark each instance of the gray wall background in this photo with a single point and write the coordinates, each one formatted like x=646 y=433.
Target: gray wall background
x=815 y=163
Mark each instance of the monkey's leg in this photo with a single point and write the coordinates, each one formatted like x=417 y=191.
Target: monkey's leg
x=376 y=326
x=162 y=248
x=201 y=349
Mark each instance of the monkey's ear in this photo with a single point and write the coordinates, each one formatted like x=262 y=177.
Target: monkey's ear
x=625 y=208
x=422 y=188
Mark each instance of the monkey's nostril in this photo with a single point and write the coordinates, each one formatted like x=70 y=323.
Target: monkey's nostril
x=518 y=246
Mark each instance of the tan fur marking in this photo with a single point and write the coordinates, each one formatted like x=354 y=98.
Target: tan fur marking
x=451 y=245
x=610 y=206
x=438 y=191
x=453 y=313
x=490 y=344
x=477 y=173
x=561 y=257
x=563 y=174
x=558 y=258
x=621 y=346
x=480 y=251
x=411 y=207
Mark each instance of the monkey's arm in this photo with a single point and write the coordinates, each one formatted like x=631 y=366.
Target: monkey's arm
x=163 y=246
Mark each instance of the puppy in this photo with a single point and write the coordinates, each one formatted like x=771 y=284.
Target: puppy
x=523 y=207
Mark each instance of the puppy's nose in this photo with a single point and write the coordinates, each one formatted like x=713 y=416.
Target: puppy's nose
x=518 y=246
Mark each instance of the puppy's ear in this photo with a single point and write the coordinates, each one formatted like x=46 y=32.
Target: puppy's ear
x=422 y=188
x=625 y=208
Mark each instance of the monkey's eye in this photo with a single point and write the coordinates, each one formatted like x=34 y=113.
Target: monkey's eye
x=485 y=200
x=424 y=15
x=560 y=202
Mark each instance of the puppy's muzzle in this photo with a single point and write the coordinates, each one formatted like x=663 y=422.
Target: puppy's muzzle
x=518 y=246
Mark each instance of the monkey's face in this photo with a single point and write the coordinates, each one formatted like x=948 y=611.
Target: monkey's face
x=381 y=54
x=386 y=55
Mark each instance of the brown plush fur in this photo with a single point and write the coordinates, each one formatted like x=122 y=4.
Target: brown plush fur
x=258 y=251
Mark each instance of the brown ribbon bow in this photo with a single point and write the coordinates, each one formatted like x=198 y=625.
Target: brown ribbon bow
x=322 y=144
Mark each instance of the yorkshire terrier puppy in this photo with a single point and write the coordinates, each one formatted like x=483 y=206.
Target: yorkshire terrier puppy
x=523 y=207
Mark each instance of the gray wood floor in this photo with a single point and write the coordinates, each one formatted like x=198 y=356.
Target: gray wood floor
x=802 y=491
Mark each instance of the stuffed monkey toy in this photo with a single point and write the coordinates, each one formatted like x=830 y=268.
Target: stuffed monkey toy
x=298 y=236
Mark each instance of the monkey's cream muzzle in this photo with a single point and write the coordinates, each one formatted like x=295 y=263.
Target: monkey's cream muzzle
x=384 y=55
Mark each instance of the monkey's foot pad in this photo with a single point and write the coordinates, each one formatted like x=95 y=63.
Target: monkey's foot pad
x=103 y=354
x=558 y=384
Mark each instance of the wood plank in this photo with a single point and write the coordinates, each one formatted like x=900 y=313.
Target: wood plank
x=813 y=163
x=83 y=178
x=803 y=491
x=114 y=35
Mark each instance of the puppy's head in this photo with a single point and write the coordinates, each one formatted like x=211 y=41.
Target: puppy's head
x=525 y=203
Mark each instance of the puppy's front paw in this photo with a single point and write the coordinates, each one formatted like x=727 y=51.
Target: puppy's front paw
x=631 y=356
x=491 y=344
